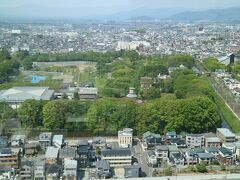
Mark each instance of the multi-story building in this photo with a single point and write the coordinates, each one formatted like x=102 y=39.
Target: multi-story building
x=39 y=170
x=151 y=157
x=45 y=140
x=70 y=169
x=117 y=157
x=26 y=170
x=10 y=158
x=195 y=140
x=212 y=142
x=225 y=135
x=225 y=156
x=103 y=169
x=151 y=140
x=125 y=138
x=162 y=152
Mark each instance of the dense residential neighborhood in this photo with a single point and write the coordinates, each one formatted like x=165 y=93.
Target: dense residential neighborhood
x=53 y=156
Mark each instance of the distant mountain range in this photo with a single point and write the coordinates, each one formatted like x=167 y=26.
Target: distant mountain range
x=140 y=14
x=229 y=14
x=145 y=14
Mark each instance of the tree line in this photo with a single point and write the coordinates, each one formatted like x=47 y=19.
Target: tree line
x=192 y=115
x=9 y=66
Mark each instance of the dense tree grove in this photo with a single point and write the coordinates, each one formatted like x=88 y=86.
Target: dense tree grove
x=181 y=102
x=6 y=112
x=193 y=115
x=212 y=64
x=30 y=113
x=9 y=67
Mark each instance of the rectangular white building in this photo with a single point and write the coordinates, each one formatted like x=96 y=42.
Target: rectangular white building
x=125 y=138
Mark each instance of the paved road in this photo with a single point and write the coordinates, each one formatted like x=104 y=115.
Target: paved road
x=195 y=177
x=142 y=159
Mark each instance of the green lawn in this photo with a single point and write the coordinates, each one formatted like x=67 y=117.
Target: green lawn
x=20 y=80
x=227 y=115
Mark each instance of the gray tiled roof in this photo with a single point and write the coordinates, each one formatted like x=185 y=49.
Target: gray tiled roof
x=117 y=152
x=103 y=164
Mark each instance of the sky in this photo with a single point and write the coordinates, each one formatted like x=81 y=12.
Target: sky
x=103 y=7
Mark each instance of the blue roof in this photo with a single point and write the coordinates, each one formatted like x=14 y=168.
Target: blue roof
x=37 y=79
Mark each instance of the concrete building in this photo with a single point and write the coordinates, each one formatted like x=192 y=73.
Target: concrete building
x=162 y=152
x=88 y=93
x=45 y=140
x=103 y=169
x=51 y=155
x=151 y=157
x=205 y=158
x=117 y=157
x=26 y=170
x=70 y=169
x=133 y=171
x=212 y=142
x=195 y=140
x=225 y=135
x=39 y=170
x=10 y=157
x=150 y=140
x=58 y=141
x=125 y=138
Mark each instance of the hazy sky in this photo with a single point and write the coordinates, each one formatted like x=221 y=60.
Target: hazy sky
x=111 y=6
x=124 y=3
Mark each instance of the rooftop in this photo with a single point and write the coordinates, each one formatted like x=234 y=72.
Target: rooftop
x=205 y=155
x=225 y=150
x=67 y=152
x=125 y=132
x=45 y=136
x=88 y=90
x=150 y=134
x=117 y=152
x=20 y=94
x=70 y=164
x=51 y=152
x=103 y=164
x=162 y=148
x=226 y=132
x=213 y=139
x=58 y=138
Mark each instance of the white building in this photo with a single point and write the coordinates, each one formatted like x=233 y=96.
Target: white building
x=39 y=170
x=117 y=157
x=58 y=141
x=17 y=95
x=125 y=138
x=133 y=45
x=70 y=169
x=195 y=140
x=162 y=152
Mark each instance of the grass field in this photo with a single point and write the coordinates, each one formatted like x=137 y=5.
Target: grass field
x=23 y=81
x=227 y=115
